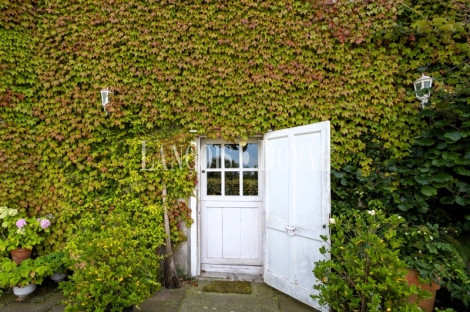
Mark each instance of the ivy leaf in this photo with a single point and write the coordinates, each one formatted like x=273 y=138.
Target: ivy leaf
x=442 y=145
x=463 y=187
x=447 y=27
x=428 y=190
x=424 y=141
x=439 y=162
x=462 y=201
x=338 y=174
x=403 y=207
x=447 y=200
x=423 y=26
x=423 y=180
x=459 y=26
x=439 y=20
x=467 y=217
x=442 y=177
x=462 y=171
x=423 y=208
x=426 y=113
x=454 y=135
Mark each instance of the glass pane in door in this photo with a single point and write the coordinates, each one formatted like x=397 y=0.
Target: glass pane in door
x=232 y=183
x=213 y=156
x=214 y=183
x=250 y=183
x=232 y=156
x=250 y=155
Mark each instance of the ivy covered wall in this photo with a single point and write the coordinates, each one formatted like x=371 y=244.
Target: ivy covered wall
x=227 y=69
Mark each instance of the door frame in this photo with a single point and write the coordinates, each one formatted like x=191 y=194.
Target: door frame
x=195 y=205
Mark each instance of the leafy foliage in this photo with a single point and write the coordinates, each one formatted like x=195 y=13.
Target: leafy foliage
x=227 y=70
x=30 y=271
x=113 y=263
x=428 y=250
x=365 y=272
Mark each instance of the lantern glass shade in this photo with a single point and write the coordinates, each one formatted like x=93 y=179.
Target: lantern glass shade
x=105 y=97
x=424 y=82
x=422 y=86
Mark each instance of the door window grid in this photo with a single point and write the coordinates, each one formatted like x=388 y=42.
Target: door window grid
x=226 y=174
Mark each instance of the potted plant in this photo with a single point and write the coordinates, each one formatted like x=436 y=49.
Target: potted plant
x=20 y=233
x=365 y=272
x=112 y=269
x=431 y=255
x=56 y=261
x=24 y=277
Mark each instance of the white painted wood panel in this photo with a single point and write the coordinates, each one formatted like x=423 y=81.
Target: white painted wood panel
x=231 y=234
x=249 y=218
x=214 y=227
x=297 y=207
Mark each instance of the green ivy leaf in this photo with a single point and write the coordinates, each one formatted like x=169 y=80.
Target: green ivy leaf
x=454 y=135
x=424 y=141
x=462 y=171
x=439 y=20
x=462 y=201
x=447 y=200
x=442 y=145
x=442 y=177
x=463 y=187
x=423 y=179
x=447 y=27
x=428 y=190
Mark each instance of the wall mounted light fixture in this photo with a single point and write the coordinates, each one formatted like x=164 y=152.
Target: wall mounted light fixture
x=422 y=89
x=105 y=98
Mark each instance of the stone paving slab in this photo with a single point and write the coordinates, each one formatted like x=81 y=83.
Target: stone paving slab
x=37 y=302
x=262 y=299
x=289 y=304
x=189 y=298
x=166 y=300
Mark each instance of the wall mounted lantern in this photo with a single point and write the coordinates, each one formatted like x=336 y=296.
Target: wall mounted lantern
x=105 y=98
x=422 y=89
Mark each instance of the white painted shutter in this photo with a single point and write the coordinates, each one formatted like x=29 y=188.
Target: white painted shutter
x=297 y=163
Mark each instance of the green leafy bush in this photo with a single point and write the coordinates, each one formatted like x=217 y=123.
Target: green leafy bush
x=429 y=250
x=30 y=271
x=365 y=272
x=56 y=261
x=112 y=266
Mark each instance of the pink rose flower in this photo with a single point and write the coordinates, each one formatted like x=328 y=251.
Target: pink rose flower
x=21 y=223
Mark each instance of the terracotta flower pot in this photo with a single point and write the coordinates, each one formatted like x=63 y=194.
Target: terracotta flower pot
x=426 y=304
x=20 y=254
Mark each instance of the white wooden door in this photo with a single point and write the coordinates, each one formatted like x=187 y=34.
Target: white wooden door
x=297 y=207
x=231 y=207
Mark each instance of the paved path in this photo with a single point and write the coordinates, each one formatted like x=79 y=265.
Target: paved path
x=187 y=299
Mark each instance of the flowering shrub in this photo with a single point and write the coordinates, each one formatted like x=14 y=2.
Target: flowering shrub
x=365 y=272
x=21 y=231
x=432 y=252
